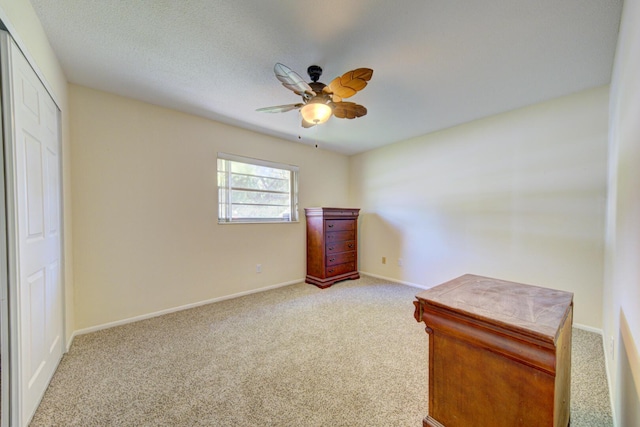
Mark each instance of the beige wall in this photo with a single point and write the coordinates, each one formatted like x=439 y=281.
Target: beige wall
x=146 y=236
x=519 y=196
x=622 y=284
x=24 y=25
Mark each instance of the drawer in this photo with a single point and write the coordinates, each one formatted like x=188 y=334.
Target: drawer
x=343 y=246
x=341 y=258
x=336 y=270
x=340 y=236
x=339 y=224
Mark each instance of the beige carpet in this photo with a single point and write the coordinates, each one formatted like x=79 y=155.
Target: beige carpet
x=349 y=355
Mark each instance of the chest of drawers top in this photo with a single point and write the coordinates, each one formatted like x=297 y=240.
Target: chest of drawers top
x=332 y=213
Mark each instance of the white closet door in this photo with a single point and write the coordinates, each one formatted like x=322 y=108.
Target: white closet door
x=32 y=145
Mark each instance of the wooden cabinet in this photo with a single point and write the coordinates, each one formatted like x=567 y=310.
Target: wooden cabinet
x=499 y=353
x=332 y=245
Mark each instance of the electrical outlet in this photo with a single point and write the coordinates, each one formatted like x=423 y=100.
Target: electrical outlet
x=384 y=259
x=399 y=262
x=258 y=268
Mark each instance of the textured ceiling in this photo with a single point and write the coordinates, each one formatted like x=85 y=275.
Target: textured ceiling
x=437 y=63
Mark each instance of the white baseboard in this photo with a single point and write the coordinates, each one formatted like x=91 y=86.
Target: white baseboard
x=174 y=309
x=415 y=285
x=607 y=362
x=377 y=276
x=70 y=340
x=240 y=294
x=587 y=328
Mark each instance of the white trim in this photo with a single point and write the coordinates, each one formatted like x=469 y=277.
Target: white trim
x=179 y=308
x=23 y=48
x=225 y=202
x=414 y=285
x=14 y=375
x=259 y=162
x=5 y=333
x=22 y=405
x=258 y=222
x=609 y=382
x=588 y=329
x=70 y=341
x=626 y=345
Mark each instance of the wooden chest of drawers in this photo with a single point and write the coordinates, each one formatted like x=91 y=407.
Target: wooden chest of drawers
x=499 y=353
x=332 y=245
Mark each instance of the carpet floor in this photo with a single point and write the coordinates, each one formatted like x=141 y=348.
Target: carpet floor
x=349 y=355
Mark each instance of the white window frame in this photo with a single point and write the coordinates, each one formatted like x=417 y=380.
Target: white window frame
x=225 y=206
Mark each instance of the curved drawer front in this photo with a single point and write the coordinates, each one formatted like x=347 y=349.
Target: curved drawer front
x=343 y=246
x=335 y=270
x=341 y=258
x=339 y=236
x=339 y=224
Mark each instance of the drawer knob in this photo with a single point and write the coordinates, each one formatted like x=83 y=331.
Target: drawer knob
x=331 y=259
x=330 y=225
x=350 y=245
x=330 y=248
x=331 y=270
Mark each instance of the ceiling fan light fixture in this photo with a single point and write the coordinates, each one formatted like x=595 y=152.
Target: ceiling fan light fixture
x=321 y=101
x=316 y=111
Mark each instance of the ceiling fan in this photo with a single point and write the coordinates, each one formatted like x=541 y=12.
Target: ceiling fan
x=320 y=101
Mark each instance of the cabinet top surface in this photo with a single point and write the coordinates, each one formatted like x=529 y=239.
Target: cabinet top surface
x=510 y=305
x=340 y=212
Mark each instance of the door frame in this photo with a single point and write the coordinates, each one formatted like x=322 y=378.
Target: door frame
x=10 y=207
x=10 y=262
x=5 y=363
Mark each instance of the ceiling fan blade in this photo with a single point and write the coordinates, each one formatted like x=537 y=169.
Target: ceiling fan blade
x=348 y=110
x=292 y=80
x=280 y=108
x=334 y=97
x=336 y=88
x=350 y=82
x=306 y=124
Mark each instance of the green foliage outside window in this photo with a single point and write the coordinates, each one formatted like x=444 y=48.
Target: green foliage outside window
x=251 y=190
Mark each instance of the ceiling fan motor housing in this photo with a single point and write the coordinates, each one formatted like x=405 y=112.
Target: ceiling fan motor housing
x=317 y=87
x=314 y=72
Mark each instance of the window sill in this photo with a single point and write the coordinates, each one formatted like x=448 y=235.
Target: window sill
x=257 y=222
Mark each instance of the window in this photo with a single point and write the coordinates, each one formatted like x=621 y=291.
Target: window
x=251 y=190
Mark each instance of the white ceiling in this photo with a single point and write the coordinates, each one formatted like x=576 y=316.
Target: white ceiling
x=437 y=63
